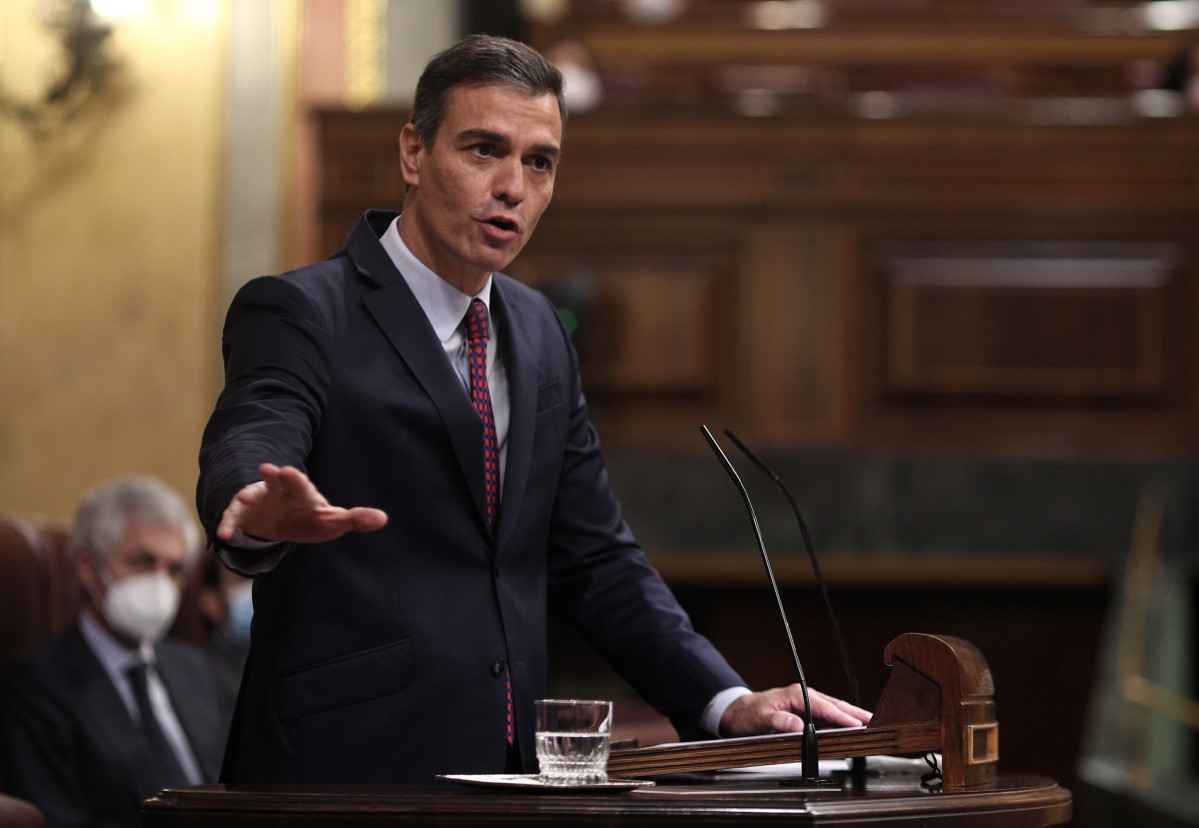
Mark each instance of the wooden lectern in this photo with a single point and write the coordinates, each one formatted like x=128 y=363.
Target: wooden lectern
x=938 y=699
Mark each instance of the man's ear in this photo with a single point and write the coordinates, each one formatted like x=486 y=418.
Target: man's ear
x=87 y=571
x=412 y=146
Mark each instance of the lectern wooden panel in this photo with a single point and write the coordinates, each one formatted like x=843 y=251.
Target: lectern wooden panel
x=938 y=699
x=894 y=800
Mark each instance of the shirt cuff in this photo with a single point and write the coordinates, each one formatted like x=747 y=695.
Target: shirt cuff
x=714 y=712
x=241 y=540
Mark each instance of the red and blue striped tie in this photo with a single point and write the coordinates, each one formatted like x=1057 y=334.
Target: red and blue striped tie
x=477 y=334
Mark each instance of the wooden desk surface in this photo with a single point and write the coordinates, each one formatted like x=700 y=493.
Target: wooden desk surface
x=1016 y=800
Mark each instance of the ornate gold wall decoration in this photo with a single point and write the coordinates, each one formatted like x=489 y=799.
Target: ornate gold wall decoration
x=88 y=72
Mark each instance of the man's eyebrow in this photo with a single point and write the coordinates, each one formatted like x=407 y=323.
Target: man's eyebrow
x=487 y=135
x=482 y=135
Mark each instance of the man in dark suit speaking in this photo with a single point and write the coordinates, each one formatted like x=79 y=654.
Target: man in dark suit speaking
x=402 y=632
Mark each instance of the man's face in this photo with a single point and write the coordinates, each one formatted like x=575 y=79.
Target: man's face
x=477 y=194
x=143 y=550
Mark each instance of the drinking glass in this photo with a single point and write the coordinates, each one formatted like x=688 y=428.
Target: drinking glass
x=573 y=738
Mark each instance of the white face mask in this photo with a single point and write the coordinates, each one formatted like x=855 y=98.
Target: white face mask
x=141 y=606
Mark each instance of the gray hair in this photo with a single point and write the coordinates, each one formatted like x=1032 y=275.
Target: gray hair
x=479 y=59
x=106 y=510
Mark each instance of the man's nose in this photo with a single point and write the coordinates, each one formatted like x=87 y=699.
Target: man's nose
x=168 y=568
x=510 y=181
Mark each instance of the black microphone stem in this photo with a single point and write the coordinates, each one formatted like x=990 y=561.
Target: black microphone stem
x=854 y=693
x=810 y=756
x=859 y=762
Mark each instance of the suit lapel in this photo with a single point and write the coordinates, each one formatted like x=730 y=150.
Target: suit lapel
x=399 y=316
x=104 y=713
x=518 y=352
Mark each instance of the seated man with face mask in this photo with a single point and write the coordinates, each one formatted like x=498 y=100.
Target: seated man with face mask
x=110 y=712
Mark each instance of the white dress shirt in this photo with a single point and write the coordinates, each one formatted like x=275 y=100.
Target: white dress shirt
x=445 y=307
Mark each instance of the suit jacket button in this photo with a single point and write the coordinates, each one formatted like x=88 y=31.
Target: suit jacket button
x=499 y=667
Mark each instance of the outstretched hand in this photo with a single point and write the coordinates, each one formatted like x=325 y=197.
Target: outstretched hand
x=781 y=710
x=285 y=506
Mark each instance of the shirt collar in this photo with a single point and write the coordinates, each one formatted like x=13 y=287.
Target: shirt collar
x=112 y=654
x=443 y=304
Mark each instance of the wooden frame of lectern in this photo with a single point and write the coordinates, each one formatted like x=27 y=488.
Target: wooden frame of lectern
x=938 y=698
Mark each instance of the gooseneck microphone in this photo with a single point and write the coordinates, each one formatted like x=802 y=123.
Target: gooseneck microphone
x=859 y=762
x=810 y=755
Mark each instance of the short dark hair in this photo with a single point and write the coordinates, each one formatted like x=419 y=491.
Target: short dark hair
x=480 y=59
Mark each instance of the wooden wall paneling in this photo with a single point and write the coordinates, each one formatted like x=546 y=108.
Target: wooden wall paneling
x=739 y=220
x=1027 y=320
x=359 y=169
x=703 y=45
x=1052 y=369
x=929 y=59
x=981 y=167
x=1025 y=185
x=656 y=302
x=792 y=328
x=654 y=326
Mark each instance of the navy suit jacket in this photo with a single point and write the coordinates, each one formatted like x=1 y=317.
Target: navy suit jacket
x=72 y=748
x=381 y=656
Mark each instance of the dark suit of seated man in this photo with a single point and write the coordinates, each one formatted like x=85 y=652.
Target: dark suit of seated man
x=78 y=741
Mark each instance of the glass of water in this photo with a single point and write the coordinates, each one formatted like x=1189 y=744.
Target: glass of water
x=573 y=738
